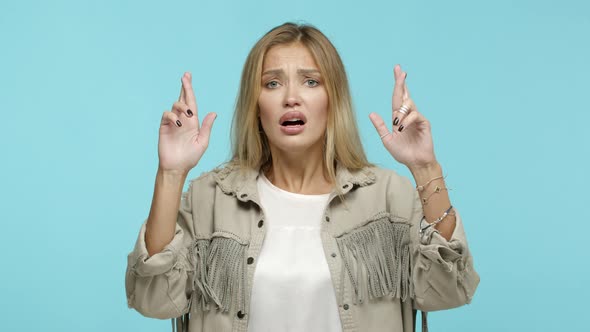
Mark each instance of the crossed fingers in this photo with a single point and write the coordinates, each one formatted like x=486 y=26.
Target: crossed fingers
x=187 y=103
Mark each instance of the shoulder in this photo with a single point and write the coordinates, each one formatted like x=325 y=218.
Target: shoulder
x=204 y=181
x=205 y=178
x=391 y=179
x=226 y=176
x=399 y=191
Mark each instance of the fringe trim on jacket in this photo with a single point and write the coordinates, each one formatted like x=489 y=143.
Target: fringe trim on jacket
x=219 y=273
x=380 y=249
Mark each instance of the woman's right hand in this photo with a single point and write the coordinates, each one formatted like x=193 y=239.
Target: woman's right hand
x=182 y=142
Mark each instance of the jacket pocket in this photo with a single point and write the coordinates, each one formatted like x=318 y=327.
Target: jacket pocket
x=376 y=256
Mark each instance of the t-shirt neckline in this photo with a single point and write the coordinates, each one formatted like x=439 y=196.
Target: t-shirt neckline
x=283 y=192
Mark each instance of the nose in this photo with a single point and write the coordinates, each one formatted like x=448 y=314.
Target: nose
x=292 y=97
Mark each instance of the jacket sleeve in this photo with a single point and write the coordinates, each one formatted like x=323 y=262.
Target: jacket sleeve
x=443 y=272
x=160 y=286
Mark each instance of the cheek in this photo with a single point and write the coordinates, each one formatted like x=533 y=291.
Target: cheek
x=267 y=102
x=265 y=109
x=320 y=106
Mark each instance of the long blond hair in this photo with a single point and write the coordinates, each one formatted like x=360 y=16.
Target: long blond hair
x=341 y=142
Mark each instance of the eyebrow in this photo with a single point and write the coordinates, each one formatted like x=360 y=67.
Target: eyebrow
x=299 y=71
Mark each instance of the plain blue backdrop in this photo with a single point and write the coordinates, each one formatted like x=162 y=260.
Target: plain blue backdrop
x=83 y=85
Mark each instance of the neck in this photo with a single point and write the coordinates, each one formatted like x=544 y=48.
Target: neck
x=301 y=173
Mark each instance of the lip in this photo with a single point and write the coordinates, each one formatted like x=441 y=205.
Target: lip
x=292 y=130
x=291 y=115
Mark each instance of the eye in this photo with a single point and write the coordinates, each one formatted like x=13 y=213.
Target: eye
x=312 y=82
x=272 y=84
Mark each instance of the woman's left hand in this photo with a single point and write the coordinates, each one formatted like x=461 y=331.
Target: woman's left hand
x=410 y=141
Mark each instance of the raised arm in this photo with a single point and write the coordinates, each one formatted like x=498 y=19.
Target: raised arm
x=160 y=267
x=442 y=266
x=182 y=143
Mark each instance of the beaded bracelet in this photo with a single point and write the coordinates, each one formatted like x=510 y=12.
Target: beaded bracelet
x=434 y=223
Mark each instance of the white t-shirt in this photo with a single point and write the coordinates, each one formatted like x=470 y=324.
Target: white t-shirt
x=292 y=288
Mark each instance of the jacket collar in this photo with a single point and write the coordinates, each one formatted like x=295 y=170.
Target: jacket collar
x=242 y=183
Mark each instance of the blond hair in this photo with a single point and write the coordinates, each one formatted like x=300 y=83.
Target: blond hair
x=341 y=141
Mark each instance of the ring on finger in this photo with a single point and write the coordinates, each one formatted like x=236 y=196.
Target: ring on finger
x=404 y=109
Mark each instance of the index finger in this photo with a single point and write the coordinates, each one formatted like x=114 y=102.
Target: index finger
x=189 y=95
x=398 y=90
x=406 y=91
x=181 y=97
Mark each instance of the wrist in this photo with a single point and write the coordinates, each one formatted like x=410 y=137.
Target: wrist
x=426 y=172
x=172 y=176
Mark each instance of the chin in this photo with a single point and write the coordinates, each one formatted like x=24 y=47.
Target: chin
x=296 y=144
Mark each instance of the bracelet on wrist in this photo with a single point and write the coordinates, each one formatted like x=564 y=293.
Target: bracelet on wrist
x=438 y=220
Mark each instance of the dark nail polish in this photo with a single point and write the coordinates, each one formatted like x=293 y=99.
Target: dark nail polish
x=190 y=113
x=395 y=121
x=401 y=128
x=178 y=123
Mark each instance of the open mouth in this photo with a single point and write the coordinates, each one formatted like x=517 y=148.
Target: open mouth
x=292 y=119
x=292 y=123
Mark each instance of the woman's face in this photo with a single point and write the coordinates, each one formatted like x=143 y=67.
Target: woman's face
x=293 y=101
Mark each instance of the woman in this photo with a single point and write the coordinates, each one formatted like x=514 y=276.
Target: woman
x=298 y=232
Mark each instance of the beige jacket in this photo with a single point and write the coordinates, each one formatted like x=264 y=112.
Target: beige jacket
x=383 y=269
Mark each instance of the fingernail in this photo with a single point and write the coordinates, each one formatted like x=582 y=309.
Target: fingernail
x=395 y=121
x=406 y=76
x=190 y=113
x=400 y=128
x=178 y=123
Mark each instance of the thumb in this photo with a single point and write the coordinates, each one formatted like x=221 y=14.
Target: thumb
x=207 y=125
x=379 y=124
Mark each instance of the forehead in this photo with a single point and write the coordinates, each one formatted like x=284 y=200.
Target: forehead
x=293 y=54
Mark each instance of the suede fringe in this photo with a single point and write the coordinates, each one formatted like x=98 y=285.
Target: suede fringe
x=380 y=249
x=219 y=273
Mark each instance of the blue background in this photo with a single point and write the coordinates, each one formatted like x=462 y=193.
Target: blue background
x=83 y=86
